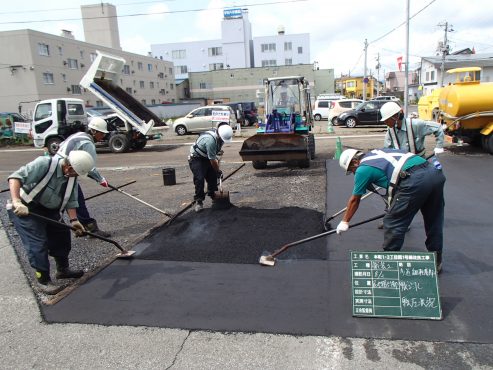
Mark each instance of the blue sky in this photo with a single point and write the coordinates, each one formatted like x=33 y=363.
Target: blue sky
x=337 y=28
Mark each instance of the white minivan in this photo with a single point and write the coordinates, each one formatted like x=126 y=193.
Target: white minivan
x=321 y=108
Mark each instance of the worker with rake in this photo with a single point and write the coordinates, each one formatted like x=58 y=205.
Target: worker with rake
x=412 y=184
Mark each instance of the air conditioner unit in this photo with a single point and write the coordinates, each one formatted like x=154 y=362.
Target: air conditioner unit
x=64 y=62
x=69 y=89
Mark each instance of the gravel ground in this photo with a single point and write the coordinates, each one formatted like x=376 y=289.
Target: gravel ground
x=129 y=221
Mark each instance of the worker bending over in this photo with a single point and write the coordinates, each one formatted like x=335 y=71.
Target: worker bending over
x=85 y=141
x=412 y=184
x=409 y=133
x=48 y=186
x=204 y=163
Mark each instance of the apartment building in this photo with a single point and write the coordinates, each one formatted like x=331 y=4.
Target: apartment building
x=37 y=66
x=235 y=49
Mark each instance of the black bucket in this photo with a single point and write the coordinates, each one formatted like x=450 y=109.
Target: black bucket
x=169 y=177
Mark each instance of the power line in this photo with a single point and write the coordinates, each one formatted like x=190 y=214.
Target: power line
x=154 y=13
x=403 y=23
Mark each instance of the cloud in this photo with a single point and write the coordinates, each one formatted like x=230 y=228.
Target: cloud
x=136 y=44
x=157 y=12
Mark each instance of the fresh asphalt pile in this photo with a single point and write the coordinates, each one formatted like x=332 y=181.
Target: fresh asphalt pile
x=276 y=190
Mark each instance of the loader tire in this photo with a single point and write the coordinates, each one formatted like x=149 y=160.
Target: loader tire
x=259 y=165
x=311 y=145
x=119 y=143
x=139 y=144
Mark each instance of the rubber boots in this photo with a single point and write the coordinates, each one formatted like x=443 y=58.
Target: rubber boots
x=45 y=285
x=92 y=227
x=64 y=272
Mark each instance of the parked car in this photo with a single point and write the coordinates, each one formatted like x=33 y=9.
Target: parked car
x=321 y=108
x=200 y=119
x=387 y=98
x=336 y=107
x=248 y=115
x=367 y=113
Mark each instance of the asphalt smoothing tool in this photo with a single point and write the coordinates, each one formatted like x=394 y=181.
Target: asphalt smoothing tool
x=221 y=198
x=123 y=254
x=270 y=259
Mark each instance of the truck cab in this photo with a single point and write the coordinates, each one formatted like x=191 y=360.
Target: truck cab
x=56 y=119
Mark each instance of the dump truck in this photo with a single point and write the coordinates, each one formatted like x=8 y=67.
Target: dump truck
x=466 y=109
x=284 y=134
x=130 y=127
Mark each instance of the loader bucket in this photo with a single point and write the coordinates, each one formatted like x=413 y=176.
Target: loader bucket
x=275 y=147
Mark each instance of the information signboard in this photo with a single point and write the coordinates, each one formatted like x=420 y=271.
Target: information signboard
x=220 y=115
x=395 y=284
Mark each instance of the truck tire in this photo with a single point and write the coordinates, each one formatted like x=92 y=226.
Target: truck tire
x=259 y=165
x=311 y=145
x=53 y=143
x=119 y=143
x=139 y=144
x=304 y=163
x=317 y=117
x=488 y=143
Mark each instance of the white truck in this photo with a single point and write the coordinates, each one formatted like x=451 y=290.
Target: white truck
x=56 y=119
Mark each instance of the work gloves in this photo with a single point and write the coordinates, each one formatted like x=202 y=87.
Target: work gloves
x=78 y=228
x=219 y=174
x=104 y=183
x=342 y=227
x=438 y=150
x=20 y=209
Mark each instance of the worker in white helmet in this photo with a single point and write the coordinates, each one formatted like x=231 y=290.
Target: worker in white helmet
x=97 y=130
x=204 y=163
x=412 y=183
x=47 y=186
x=409 y=133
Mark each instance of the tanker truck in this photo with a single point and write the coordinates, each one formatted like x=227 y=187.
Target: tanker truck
x=466 y=109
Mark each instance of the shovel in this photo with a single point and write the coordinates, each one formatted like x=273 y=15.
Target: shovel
x=221 y=198
x=123 y=254
x=270 y=259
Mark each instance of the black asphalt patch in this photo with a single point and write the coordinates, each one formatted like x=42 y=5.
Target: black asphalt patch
x=308 y=296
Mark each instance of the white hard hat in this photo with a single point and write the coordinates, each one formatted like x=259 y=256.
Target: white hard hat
x=98 y=124
x=225 y=132
x=81 y=161
x=389 y=109
x=346 y=158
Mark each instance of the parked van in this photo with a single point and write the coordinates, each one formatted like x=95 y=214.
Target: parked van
x=321 y=108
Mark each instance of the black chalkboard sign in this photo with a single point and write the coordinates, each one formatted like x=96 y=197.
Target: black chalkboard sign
x=395 y=284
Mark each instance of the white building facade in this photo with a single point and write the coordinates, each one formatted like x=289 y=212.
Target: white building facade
x=235 y=49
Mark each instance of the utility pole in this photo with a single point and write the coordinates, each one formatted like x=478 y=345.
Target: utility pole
x=444 y=48
x=377 y=67
x=365 y=80
x=406 y=69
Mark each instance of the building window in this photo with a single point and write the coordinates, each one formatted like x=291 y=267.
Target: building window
x=268 y=47
x=269 y=63
x=288 y=46
x=432 y=76
x=300 y=49
x=171 y=86
x=170 y=71
x=143 y=101
x=160 y=75
x=60 y=50
x=73 y=63
x=202 y=85
x=99 y=103
x=215 y=51
x=153 y=101
x=149 y=67
x=76 y=90
x=92 y=56
x=82 y=54
x=288 y=61
x=216 y=66
x=43 y=49
x=181 y=69
x=48 y=78
x=128 y=90
x=179 y=54
x=64 y=77
x=126 y=69
x=141 y=84
x=151 y=85
x=140 y=66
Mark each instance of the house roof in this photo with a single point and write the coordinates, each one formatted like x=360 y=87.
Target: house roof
x=462 y=60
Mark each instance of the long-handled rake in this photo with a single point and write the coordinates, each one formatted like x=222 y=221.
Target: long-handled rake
x=270 y=259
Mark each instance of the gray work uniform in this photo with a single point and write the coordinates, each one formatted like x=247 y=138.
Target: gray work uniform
x=396 y=138
x=39 y=237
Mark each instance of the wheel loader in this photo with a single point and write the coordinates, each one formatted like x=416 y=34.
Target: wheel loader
x=285 y=133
